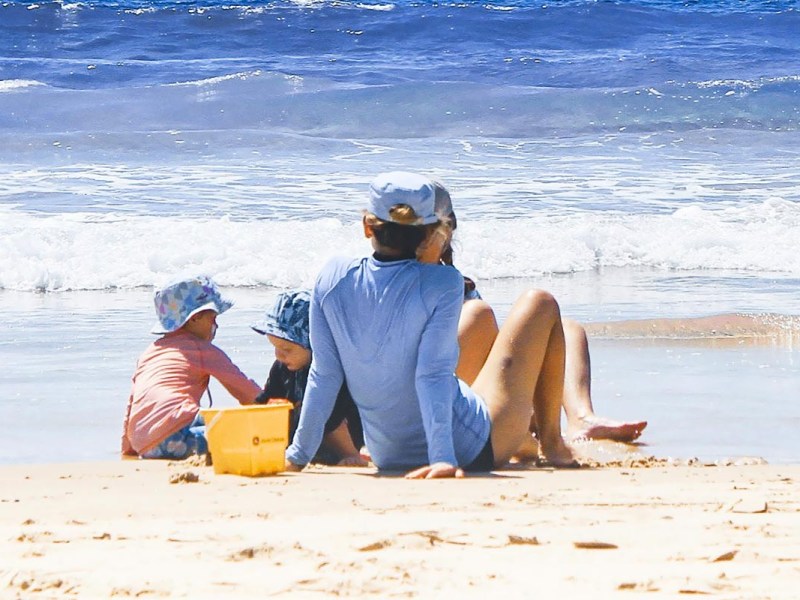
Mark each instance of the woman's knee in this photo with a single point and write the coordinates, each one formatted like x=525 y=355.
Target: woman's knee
x=541 y=303
x=573 y=329
x=478 y=313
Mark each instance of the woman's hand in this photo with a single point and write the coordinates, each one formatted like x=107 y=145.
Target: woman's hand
x=430 y=251
x=436 y=471
x=290 y=467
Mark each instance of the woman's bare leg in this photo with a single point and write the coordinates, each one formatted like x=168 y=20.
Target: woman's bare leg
x=582 y=422
x=339 y=441
x=524 y=374
x=477 y=330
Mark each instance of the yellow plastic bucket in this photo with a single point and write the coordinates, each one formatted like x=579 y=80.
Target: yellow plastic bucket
x=248 y=440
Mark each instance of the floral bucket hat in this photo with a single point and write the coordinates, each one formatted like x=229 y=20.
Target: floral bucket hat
x=178 y=301
x=288 y=318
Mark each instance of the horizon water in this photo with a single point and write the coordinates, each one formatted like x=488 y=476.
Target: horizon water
x=639 y=159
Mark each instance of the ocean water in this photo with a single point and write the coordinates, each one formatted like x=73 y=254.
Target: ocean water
x=639 y=159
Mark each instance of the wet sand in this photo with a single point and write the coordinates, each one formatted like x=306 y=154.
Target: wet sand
x=713 y=331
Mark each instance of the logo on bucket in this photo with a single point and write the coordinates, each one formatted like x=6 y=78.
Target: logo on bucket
x=257 y=440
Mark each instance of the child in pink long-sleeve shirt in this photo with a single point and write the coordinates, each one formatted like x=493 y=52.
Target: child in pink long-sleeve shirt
x=162 y=419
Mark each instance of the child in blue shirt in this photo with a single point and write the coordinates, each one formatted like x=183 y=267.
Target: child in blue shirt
x=286 y=327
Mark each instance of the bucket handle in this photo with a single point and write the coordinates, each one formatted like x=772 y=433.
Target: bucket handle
x=213 y=422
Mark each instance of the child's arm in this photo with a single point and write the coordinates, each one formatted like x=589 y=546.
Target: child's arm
x=221 y=367
x=275 y=386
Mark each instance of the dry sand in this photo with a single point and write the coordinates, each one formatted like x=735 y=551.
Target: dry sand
x=647 y=529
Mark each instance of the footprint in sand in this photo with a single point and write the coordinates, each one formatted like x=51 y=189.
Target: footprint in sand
x=184 y=477
x=250 y=552
x=380 y=545
x=646 y=586
x=421 y=540
x=595 y=545
x=518 y=539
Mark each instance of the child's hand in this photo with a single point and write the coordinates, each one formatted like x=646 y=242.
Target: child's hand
x=355 y=460
x=278 y=402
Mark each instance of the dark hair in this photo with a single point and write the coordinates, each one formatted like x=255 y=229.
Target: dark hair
x=403 y=238
x=447 y=251
x=447 y=255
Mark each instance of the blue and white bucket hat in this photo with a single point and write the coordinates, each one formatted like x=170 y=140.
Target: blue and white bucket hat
x=399 y=187
x=178 y=301
x=288 y=318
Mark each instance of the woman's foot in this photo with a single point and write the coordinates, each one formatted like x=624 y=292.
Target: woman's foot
x=355 y=460
x=558 y=454
x=528 y=450
x=593 y=427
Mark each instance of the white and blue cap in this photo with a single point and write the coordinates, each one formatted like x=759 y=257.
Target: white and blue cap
x=179 y=300
x=388 y=190
x=288 y=318
x=443 y=204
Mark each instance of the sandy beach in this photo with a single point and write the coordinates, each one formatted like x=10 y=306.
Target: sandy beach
x=641 y=528
x=637 y=159
x=635 y=527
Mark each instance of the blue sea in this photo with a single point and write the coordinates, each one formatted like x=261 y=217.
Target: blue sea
x=640 y=159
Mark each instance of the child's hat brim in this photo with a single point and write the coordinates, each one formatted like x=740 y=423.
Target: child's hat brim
x=266 y=327
x=219 y=308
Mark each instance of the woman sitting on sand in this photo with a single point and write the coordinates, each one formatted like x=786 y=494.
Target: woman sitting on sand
x=477 y=330
x=388 y=325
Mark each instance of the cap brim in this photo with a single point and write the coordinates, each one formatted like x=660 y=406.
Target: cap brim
x=384 y=216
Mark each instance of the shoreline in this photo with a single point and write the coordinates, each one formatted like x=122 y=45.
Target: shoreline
x=122 y=529
x=677 y=383
x=713 y=331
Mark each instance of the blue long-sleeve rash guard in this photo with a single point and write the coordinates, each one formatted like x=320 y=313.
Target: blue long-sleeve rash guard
x=390 y=329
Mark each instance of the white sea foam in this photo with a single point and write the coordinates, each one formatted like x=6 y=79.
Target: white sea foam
x=140 y=11
x=376 y=7
x=91 y=251
x=10 y=85
x=244 y=76
x=739 y=85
